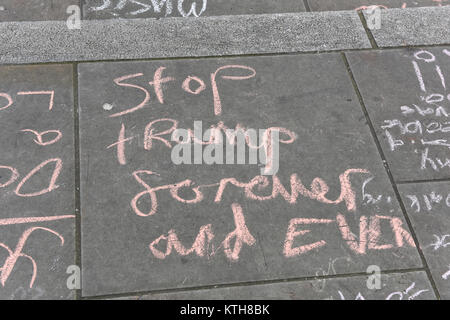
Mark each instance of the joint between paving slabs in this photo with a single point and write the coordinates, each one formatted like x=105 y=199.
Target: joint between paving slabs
x=78 y=200
x=369 y=34
x=265 y=54
x=81 y=5
x=77 y=172
x=391 y=178
x=248 y=283
x=424 y=181
x=307 y=7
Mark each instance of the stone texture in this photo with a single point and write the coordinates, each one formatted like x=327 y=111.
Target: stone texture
x=333 y=5
x=35 y=10
x=413 y=27
x=179 y=37
x=393 y=287
x=101 y=9
x=410 y=119
x=310 y=95
x=428 y=206
x=29 y=200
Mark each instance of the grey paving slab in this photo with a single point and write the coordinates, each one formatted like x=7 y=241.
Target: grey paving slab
x=414 y=26
x=35 y=10
x=104 y=9
x=428 y=206
x=404 y=286
x=36 y=181
x=409 y=105
x=333 y=5
x=125 y=224
x=179 y=37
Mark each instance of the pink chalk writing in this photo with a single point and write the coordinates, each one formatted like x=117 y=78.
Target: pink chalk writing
x=121 y=145
x=369 y=234
x=187 y=87
x=318 y=191
x=289 y=250
x=159 y=80
x=119 y=82
x=50 y=93
x=217 y=101
x=14 y=175
x=9 y=221
x=12 y=178
x=11 y=261
x=8 y=98
x=39 y=136
x=52 y=184
x=232 y=245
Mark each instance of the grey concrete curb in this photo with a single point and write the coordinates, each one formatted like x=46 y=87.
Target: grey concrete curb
x=414 y=26
x=52 y=41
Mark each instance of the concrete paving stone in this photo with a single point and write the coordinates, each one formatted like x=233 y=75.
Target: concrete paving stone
x=36 y=181
x=35 y=10
x=125 y=224
x=413 y=27
x=428 y=206
x=333 y=5
x=392 y=287
x=179 y=37
x=107 y=9
x=409 y=105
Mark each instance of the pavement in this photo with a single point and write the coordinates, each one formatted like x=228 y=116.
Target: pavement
x=97 y=204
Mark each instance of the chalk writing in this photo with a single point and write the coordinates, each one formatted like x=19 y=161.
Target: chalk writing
x=158 y=81
x=427 y=125
x=369 y=199
x=185 y=8
x=441 y=242
x=369 y=237
x=10 y=174
x=17 y=253
x=318 y=191
x=39 y=136
x=446 y=275
x=397 y=295
x=320 y=284
x=185 y=217
x=259 y=188
x=417 y=202
x=428 y=205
